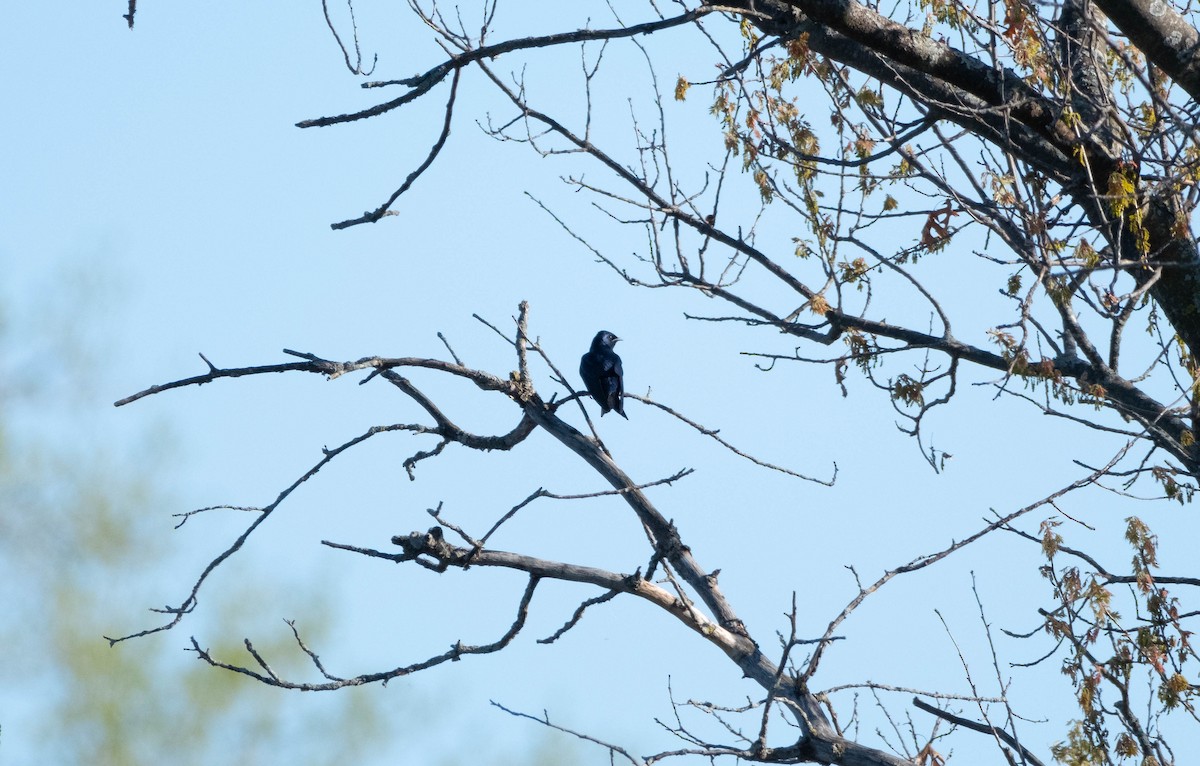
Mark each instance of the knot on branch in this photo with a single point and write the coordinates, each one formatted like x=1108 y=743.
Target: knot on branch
x=430 y=543
x=520 y=388
x=669 y=544
x=737 y=628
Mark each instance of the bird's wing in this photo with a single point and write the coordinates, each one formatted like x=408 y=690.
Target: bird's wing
x=591 y=370
x=617 y=386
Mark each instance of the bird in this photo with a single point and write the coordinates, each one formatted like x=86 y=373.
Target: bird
x=601 y=371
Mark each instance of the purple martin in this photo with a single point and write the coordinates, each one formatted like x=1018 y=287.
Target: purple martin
x=601 y=371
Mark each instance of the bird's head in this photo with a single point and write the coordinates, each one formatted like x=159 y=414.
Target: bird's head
x=604 y=339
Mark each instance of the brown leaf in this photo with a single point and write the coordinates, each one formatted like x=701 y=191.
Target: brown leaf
x=937 y=227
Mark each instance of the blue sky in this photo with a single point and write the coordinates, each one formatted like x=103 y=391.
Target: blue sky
x=157 y=175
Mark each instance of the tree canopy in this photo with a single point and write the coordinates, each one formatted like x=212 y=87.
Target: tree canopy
x=923 y=195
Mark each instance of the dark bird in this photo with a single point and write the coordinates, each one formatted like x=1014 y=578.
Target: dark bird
x=601 y=371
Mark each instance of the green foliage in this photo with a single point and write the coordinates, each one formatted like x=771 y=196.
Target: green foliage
x=1066 y=274
x=1079 y=749
x=81 y=536
x=681 y=88
x=1110 y=661
x=1014 y=285
x=908 y=390
x=854 y=272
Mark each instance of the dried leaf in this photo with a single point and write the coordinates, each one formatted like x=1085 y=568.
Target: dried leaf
x=937 y=227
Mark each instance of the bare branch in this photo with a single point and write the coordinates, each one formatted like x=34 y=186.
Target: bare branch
x=189 y=603
x=545 y=721
x=711 y=433
x=356 y=67
x=967 y=723
x=455 y=653
x=422 y=84
x=385 y=208
x=923 y=561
